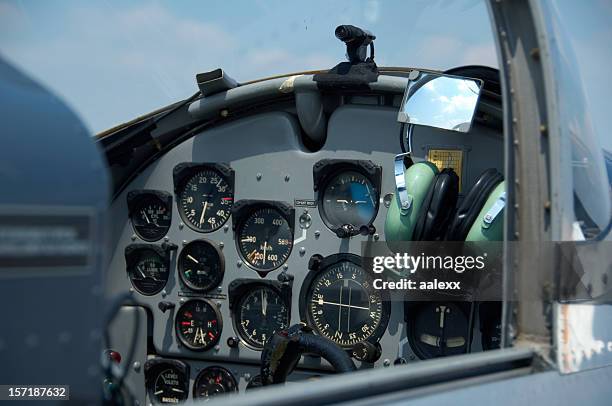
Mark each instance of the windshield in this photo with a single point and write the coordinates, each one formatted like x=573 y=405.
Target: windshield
x=115 y=60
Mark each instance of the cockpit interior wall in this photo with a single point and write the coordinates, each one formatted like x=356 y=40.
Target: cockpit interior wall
x=270 y=163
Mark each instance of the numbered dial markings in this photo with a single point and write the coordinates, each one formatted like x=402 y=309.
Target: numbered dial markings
x=260 y=313
x=206 y=201
x=151 y=218
x=265 y=239
x=343 y=306
x=201 y=265
x=169 y=387
x=198 y=325
x=214 y=381
x=349 y=198
x=149 y=272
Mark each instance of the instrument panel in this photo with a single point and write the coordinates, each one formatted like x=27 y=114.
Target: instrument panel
x=260 y=239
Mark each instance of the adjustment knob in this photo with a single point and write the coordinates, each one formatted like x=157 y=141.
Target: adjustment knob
x=163 y=306
x=366 y=352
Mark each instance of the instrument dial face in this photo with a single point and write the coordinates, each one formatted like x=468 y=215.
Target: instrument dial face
x=169 y=387
x=151 y=217
x=265 y=239
x=213 y=381
x=206 y=200
x=348 y=198
x=201 y=265
x=260 y=313
x=343 y=305
x=149 y=272
x=198 y=325
x=437 y=330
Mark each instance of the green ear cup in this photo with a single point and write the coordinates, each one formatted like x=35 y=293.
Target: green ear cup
x=399 y=224
x=483 y=231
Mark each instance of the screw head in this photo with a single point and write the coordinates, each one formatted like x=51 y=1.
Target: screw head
x=136 y=366
x=239 y=263
x=258 y=176
x=302 y=251
x=287 y=178
x=133 y=237
x=317 y=234
x=181 y=225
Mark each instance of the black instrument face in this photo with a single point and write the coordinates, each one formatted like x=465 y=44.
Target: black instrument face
x=259 y=314
x=205 y=200
x=264 y=239
x=342 y=305
x=213 y=381
x=198 y=325
x=201 y=265
x=151 y=216
x=169 y=386
x=437 y=330
x=148 y=272
x=349 y=198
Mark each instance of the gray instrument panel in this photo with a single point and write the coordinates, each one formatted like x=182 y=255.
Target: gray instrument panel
x=270 y=164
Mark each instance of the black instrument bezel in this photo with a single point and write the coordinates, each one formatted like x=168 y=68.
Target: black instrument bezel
x=325 y=170
x=241 y=211
x=153 y=367
x=410 y=309
x=203 y=371
x=182 y=173
x=186 y=283
x=131 y=258
x=318 y=264
x=135 y=197
x=238 y=288
x=186 y=343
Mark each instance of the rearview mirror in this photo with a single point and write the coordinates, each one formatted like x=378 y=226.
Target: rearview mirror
x=440 y=101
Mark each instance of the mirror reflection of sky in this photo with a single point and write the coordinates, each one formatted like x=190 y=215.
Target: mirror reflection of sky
x=443 y=102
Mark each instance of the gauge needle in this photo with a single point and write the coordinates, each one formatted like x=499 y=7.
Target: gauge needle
x=264 y=252
x=370 y=194
x=142 y=273
x=203 y=212
x=177 y=390
x=341 y=201
x=264 y=302
x=145 y=216
x=159 y=392
x=322 y=302
x=192 y=258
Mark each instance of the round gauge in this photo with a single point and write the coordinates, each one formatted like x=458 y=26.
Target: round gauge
x=150 y=216
x=198 y=324
x=201 y=265
x=205 y=200
x=348 y=198
x=169 y=386
x=213 y=381
x=260 y=313
x=264 y=239
x=342 y=305
x=148 y=271
x=438 y=329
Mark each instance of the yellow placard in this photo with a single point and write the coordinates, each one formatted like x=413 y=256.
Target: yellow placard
x=447 y=158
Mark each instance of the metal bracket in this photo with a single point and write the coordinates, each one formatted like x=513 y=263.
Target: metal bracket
x=404 y=199
x=494 y=211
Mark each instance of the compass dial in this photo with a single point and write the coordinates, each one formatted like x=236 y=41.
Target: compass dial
x=343 y=305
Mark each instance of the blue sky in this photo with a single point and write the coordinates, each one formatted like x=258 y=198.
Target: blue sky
x=114 y=60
